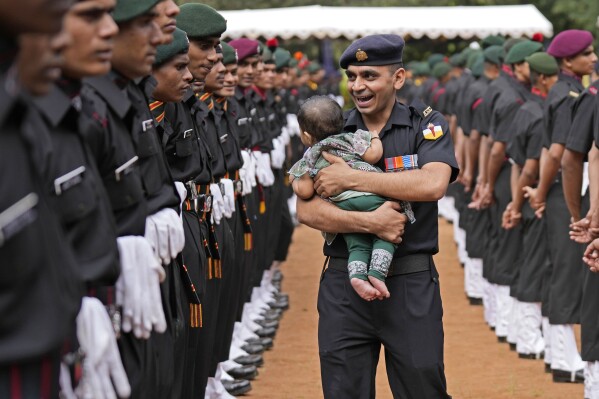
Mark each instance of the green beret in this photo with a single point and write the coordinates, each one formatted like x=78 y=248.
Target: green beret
x=126 y=10
x=441 y=69
x=457 y=60
x=434 y=59
x=267 y=57
x=542 y=62
x=521 y=50
x=422 y=69
x=282 y=58
x=411 y=65
x=494 y=55
x=179 y=45
x=478 y=66
x=509 y=43
x=472 y=57
x=199 y=20
x=492 y=40
x=229 y=54
x=293 y=63
x=314 y=67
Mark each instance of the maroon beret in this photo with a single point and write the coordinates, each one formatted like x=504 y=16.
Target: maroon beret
x=570 y=43
x=245 y=47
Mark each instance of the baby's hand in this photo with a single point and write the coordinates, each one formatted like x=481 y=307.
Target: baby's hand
x=364 y=289
x=379 y=286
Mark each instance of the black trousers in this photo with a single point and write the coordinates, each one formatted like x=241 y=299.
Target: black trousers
x=409 y=325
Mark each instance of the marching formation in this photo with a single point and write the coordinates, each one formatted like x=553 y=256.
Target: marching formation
x=524 y=209
x=144 y=203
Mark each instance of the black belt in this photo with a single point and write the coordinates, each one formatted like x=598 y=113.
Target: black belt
x=404 y=265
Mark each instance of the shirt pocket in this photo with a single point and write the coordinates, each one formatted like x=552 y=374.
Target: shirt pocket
x=75 y=195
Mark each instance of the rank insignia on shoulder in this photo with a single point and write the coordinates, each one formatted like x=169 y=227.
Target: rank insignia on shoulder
x=432 y=132
x=427 y=111
x=593 y=90
x=573 y=94
x=361 y=55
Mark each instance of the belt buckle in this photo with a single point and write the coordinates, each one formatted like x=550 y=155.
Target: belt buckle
x=192 y=190
x=206 y=203
x=238 y=186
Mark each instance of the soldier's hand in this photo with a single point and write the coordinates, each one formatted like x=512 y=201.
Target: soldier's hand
x=580 y=231
x=488 y=196
x=591 y=256
x=333 y=179
x=387 y=222
x=533 y=200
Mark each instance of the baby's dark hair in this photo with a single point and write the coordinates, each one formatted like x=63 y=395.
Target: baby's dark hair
x=320 y=116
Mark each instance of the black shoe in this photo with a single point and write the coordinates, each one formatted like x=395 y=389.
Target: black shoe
x=533 y=356
x=250 y=360
x=253 y=349
x=267 y=323
x=264 y=341
x=502 y=340
x=244 y=372
x=566 y=376
x=512 y=347
x=237 y=387
x=547 y=368
x=475 y=301
x=266 y=332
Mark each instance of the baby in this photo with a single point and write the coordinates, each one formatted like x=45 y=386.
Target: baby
x=321 y=121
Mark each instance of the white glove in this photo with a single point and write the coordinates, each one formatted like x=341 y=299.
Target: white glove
x=293 y=125
x=138 y=287
x=102 y=359
x=218 y=203
x=164 y=231
x=252 y=170
x=228 y=197
x=263 y=171
x=274 y=154
x=284 y=137
x=182 y=191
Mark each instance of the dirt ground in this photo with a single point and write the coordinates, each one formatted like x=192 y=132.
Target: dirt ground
x=477 y=366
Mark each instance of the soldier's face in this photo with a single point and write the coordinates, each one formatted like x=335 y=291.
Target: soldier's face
x=522 y=72
x=203 y=56
x=373 y=88
x=281 y=78
x=247 y=70
x=216 y=78
x=40 y=59
x=167 y=12
x=266 y=79
x=135 y=46
x=39 y=16
x=93 y=31
x=174 y=79
x=583 y=63
x=230 y=81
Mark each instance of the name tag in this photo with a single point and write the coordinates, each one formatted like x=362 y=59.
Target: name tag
x=71 y=179
x=147 y=124
x=271 y=117
x=125 y=168
x=262 y=119
x=223 y=138
x=401 y=163
x=17 y=217
x=253 y=111
x=242 y=121
x=187 y=133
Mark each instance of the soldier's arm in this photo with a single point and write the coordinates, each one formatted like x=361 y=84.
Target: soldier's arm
x=386 y=222
x=550 y=163
x=572 y=163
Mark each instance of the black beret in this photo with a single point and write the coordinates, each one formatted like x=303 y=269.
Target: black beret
x=179 y=45
x=373 y=50
x=126 y=10
x=199 y=20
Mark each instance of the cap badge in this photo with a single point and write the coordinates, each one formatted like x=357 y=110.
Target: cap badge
x=361 y=55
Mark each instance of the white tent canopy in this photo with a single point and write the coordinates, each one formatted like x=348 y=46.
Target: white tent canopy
x=352 y=22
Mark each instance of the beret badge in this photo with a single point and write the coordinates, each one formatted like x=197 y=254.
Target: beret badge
x=361 y=55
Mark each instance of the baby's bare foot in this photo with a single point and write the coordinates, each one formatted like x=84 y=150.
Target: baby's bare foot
x=364 y=289
x=380 y=286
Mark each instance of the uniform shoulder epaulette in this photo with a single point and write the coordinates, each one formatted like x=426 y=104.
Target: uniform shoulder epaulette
x=574 y=94
x=420 y=108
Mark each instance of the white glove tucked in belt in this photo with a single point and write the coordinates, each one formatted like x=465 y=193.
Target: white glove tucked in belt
x=164 y=231
x=228 y=197
x=218 y=203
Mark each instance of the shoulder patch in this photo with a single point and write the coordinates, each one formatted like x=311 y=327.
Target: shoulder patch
x=432 y=132
x=593 y=90
x=427 y=111
x=574 y=94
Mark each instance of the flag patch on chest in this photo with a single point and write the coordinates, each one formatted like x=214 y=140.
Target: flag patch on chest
x=402 y=162
x=432 y=132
